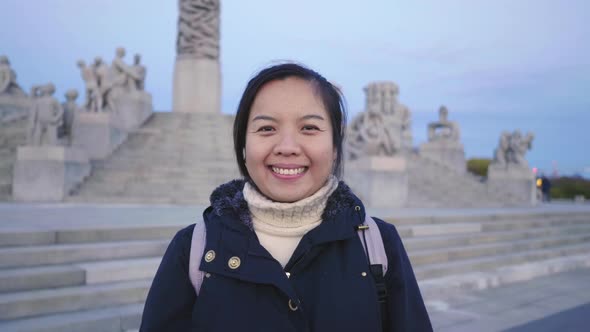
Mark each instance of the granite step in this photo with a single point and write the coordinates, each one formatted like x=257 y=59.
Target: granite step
x=67 y=275
x=188 y=162
x=421 y=230
x=14 y=257
x=516 y=217
x=115 y=318
x=88 y=234
x=444 y=241
x=68 y=299
x=449 y=254
x=106 y=199
x=164 y=191
x=487 y=263
x=163 y=176
x=26 y=237
x=176 y=166
x=439 y=288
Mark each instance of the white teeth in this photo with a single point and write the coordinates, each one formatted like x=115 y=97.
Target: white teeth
x=288 y=171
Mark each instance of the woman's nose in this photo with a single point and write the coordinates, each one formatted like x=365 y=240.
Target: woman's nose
x=287 y=145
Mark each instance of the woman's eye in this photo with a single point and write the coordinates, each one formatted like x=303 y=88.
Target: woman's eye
x=265 y=129
x=309 y=128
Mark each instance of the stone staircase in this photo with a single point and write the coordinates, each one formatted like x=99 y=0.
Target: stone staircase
x=12 y=135
x=173 y=159
x=79 y=277
x=434 y=185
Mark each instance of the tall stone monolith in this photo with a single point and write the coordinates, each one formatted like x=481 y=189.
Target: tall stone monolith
x=197 y=73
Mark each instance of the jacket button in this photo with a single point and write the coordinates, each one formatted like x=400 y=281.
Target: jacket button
x=292 y=306
x=288 y=274
x=234 y=262
x=209 y=256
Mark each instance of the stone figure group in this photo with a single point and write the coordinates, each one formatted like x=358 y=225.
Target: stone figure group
x=384 y=129
x=45 y=117
x=8 y=84
x=198 y=29
x=50 y=123
x=512 y=148
x=443 y=129
x=104 y=83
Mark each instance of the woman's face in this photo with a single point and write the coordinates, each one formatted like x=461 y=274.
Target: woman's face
x=289 y=150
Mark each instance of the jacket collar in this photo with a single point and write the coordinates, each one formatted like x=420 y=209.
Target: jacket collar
x=228 y=199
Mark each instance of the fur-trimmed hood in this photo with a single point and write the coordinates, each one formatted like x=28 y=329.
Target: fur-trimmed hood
x=229 y=197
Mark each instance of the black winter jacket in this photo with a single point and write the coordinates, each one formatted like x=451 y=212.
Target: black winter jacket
x=326 y=290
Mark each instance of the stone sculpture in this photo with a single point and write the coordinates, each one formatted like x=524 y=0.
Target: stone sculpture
x=120 y=70
x=8 y=84
x=502 y=150
x=198 y=29
x=70 y=108
x=94 y=100
x=509 y=171
x=14 y=102
x=138 y=73
x=107 y=85
x=443 y=129
x=45 y=117
x=117 y=92
x=444 y=143
x=384 y=128
x=512 y=149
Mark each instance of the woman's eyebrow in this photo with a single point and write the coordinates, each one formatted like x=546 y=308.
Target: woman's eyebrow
x=312 y=116
x=264 y=117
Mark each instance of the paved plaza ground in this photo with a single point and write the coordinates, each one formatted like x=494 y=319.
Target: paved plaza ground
x=559 y=302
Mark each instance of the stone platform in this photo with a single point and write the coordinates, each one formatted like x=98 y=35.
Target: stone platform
x=88 y=267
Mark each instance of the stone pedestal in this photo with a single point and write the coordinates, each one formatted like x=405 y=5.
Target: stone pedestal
x=133 y=109
x=519 y=182
x=379 y=181
x=48 y=173
x=197 y=85
x=448 y=153
x=98 y=134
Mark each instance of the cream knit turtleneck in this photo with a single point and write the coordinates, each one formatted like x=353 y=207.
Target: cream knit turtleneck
x=280 y=226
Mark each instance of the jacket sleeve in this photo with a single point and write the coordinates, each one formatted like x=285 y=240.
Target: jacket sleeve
x=171 y=297
x=407 y=311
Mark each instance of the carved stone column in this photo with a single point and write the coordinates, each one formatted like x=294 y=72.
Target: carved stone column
x=197 y=73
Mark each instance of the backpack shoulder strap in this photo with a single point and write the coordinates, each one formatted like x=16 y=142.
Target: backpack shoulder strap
x=377 y=258
x=375 y=247
x=197 y=250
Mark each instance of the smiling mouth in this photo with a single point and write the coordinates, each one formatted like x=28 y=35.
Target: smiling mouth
x=288 y=171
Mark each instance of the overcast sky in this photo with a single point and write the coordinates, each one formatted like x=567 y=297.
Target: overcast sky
x=483 y=57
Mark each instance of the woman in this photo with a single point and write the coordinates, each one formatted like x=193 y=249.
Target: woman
x=282 y=251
